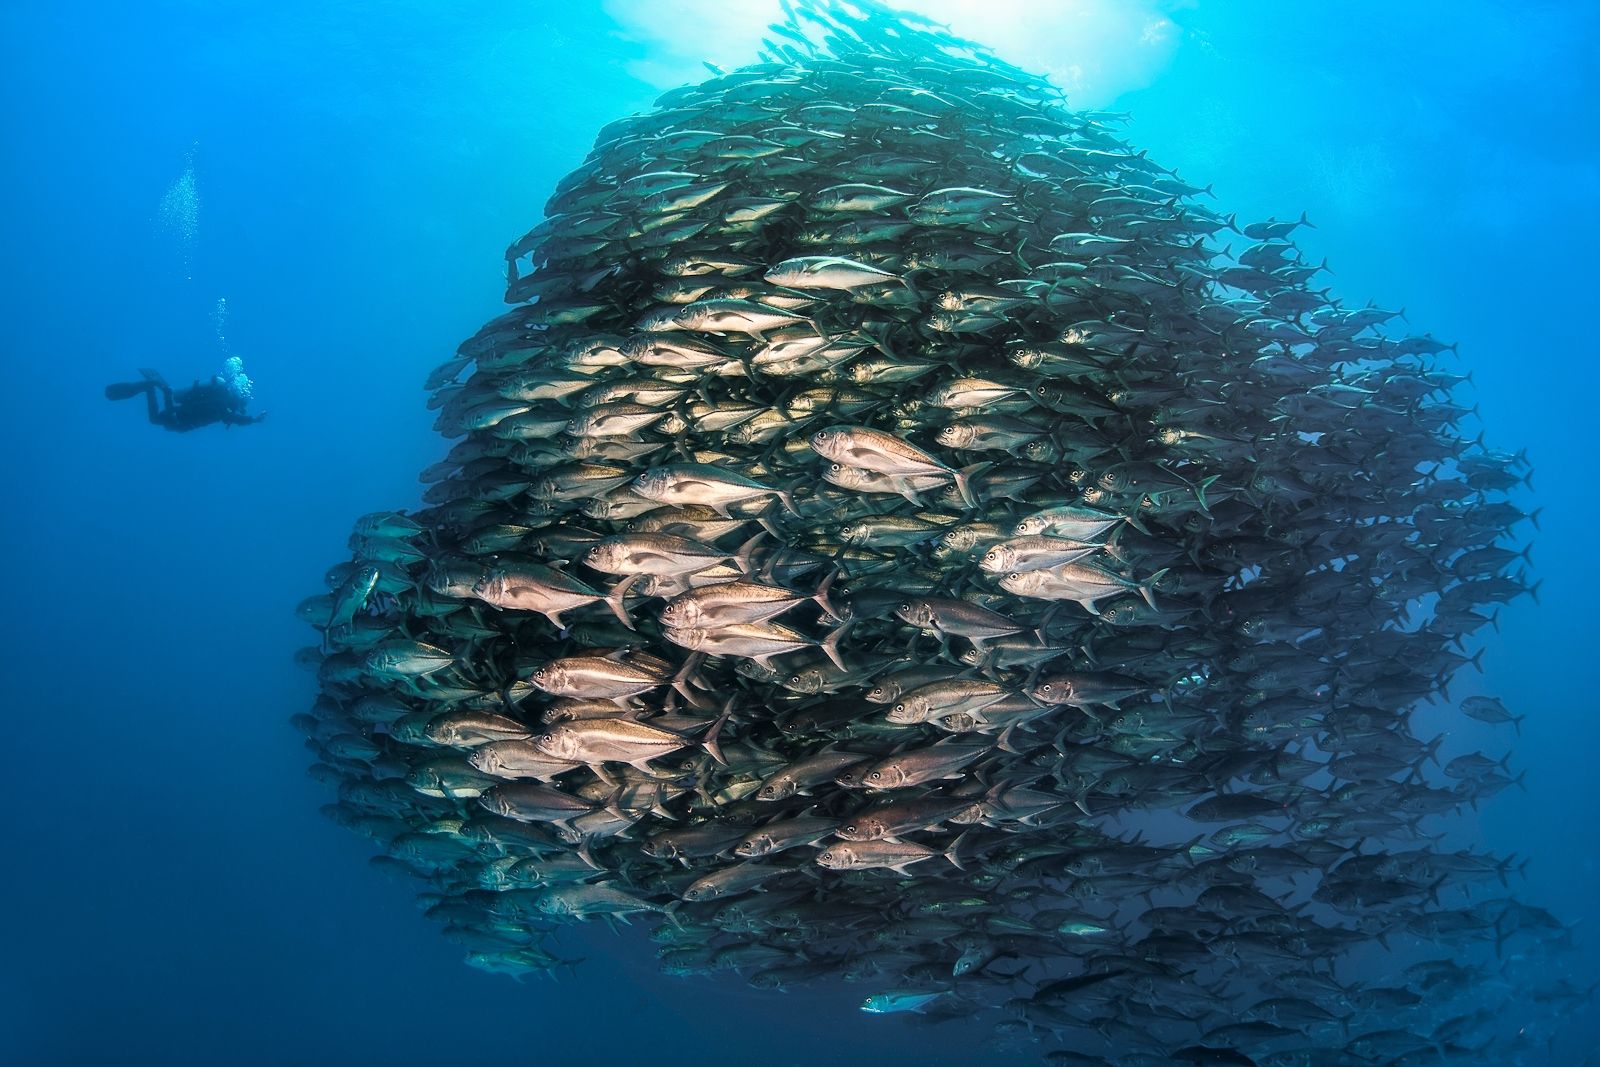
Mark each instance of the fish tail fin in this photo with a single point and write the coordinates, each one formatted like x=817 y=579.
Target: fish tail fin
x=1016 y=254
x=880 y=337
x=742 y=558
x=953 y=853
x=830 y=645
x=767 y=525
x=964 y=487
x=680 y=444
x=710 y=743
x=680 y=681
x=613 y=804
x=613 y=600
x=1146 y=589
x=821 y=595
x=1188 y=849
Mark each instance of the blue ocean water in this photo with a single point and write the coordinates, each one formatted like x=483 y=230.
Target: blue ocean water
x=325 y=191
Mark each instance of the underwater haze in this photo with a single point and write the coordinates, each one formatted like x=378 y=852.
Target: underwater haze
x=325 y=191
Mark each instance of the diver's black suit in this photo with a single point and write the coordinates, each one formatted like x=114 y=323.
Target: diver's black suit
x=200 y=405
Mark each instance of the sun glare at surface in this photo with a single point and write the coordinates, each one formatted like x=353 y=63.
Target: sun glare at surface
x=1094 y=49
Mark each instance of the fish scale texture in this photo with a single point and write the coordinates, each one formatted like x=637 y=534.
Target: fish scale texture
x=890 y=539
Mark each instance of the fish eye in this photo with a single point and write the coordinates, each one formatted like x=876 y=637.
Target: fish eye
x=874 y=776
x=850 y=829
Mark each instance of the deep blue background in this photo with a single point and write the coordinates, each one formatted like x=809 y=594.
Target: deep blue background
x=169 y=893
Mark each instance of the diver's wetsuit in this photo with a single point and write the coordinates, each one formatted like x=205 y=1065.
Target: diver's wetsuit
x=200 y=405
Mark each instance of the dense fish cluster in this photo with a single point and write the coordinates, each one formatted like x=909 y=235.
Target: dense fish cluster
x=891 y=539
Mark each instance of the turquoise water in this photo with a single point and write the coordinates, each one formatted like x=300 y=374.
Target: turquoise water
x=343 y=182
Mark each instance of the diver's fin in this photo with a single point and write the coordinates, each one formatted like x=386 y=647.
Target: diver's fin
x=126 y=390
x=152 y=376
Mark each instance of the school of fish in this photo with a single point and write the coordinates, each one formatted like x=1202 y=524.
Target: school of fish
x=901 y=535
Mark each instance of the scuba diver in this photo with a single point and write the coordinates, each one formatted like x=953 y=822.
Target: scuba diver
x=222 y=399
